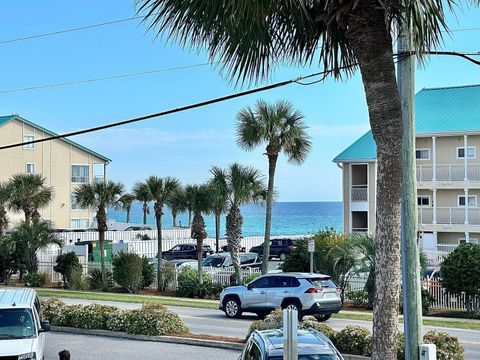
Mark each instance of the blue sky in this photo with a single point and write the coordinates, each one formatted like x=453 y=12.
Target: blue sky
x=185 y=145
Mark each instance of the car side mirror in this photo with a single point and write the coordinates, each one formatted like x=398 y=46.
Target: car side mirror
x=249 y=287
x=44 y=326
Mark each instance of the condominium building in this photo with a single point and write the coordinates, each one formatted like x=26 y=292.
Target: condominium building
x=63 y=163
x=447 y=168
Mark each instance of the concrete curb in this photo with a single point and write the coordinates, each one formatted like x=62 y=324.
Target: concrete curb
x=167 y=339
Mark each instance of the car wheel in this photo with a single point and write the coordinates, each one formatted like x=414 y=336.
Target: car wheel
x=282 y=256
x=232 y=308
x=294 y=305
x=323 y=317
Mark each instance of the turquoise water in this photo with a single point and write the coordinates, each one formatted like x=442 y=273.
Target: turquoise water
x=288 y=218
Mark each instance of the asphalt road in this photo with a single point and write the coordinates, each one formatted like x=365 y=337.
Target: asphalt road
x=84 y=347
x=214 y=322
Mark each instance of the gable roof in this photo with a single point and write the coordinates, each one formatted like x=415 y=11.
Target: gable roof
x=437 y=111
x=6 y=119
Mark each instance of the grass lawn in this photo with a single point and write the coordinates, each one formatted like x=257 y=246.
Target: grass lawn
x=213 y=304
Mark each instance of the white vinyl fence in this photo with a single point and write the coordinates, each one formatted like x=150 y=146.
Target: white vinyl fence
x=116 y=236
x=445 y=300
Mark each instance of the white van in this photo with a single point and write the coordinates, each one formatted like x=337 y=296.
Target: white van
x=21 y=328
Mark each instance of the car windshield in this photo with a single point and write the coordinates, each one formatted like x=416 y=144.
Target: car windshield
x=214 y=261
x=310 y=357
x=16 y=324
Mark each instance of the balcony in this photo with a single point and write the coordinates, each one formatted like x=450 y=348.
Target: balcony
x=359 y=192
x=448 y=172
x=97 y=179
x=448 y=216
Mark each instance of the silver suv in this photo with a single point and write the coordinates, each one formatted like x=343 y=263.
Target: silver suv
x=309 y=294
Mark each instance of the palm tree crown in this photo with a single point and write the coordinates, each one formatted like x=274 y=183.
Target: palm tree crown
x=177 y=203
x=126 y=202
x=99 y=196
x=142 y=194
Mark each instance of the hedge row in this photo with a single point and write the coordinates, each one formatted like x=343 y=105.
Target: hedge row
x=357 y=340
x=151 y=319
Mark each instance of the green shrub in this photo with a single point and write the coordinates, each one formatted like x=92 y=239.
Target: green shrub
x=250 y=277
x=94 y=279
x=188 y=285
x=35 y=279
x=53 y=310
x=92 y=316
x=427 y=301
x=274 y=320
x=448 y=347
x=127 y=271
x=148 y=273
x=312 y=323
x=354 y=340
x=400 y=346
x=357 y=298
x=168 y=272
x=66 y=265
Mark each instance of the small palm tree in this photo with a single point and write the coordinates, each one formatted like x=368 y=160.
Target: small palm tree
x=244 y=185
x=4 y=194
x=126 y=202
x=28 y=238
x=159 y=190
x=189 y=194
x=201 y=200
x=141 y=194
x=282 y=129
x=28 y=193
x=219 y=198
x=100 y=196
x=177 y=204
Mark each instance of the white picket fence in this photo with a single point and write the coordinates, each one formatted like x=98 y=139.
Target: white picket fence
x=116 y=236
x=443 y=299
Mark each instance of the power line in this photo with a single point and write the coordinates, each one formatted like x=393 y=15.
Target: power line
x=176 y=110
x=120 y=76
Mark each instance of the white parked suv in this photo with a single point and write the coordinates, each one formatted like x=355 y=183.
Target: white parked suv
x=21 y=328
x=309 y=294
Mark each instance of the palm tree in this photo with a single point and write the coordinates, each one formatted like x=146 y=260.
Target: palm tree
x=159 y=190
x=177 y=204
x=4 y=194
x=28 y=238
x=141 y=193
x=126 y=202
x=283 y=130
x=100 y=196
x=249 y=39
x=28 y=193
x=244 y=185
x=189 y=194
x=201 y=200
x=218 y=189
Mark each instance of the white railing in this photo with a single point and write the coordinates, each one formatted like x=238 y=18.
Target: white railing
x=444 y=300
x=116 y=236
x=446 y=248
x=359 y=192
x=449 y=215
x=448 y=172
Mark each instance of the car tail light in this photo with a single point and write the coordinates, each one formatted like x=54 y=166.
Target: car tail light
x=313 y=290
x=339 y=289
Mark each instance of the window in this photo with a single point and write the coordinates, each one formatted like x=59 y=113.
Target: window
x=27 y=138
x=463 y=241
x=261 y=283
x=423 y=200
x=471 y=152
x=73 y=201
x=422 y=154
x=79 y=223
x=30 y=168
x=80 y=173
x=472 y=200
x=253 y=352
x=283 y=281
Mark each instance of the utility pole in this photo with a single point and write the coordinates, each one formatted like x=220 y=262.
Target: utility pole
x=412 y=302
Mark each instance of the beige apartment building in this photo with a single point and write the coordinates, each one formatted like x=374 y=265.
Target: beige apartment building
x=447 y=169
x=62 y=162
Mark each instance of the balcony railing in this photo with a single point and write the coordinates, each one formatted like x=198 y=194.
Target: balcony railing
x=359 y=230
x=359 y=192
x=448 y=172
x=98 y=179
x=448 y=215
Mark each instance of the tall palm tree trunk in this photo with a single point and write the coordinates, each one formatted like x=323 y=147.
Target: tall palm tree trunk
x=174 y=216
x=272 y=162
x=102 y=227
x=234 y=235
x=128 y=215
x=217 y=232
x=145 y=211
x=3 y=220
x=158 y=217
x=200 y=259
x=189 y=218
x=372 y=45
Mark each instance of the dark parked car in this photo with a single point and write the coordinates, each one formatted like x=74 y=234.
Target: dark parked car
x=278 y=248
x=138 y=228
x=185 y=251
x=224 y=260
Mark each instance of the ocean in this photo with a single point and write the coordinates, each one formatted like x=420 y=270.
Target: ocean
x=288 y=218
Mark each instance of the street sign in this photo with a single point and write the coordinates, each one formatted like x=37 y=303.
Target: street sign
x=311 y=245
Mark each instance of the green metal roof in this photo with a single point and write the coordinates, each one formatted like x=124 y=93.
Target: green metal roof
x=437 y=110
x=6 y=119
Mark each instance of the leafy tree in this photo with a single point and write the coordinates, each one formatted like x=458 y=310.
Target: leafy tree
x=219 y=199
x=141 y=194
x=126 y=202
x=100 y=196
x=148 y=273
x=28 y=193
x=4 y=194
x=11 y=260
x=127 y=271
x=159 y=190
x=29 y=238
x=461 y=273
x=66 y=264
x=177 y=203
x=250 y=39
x=283 y=130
